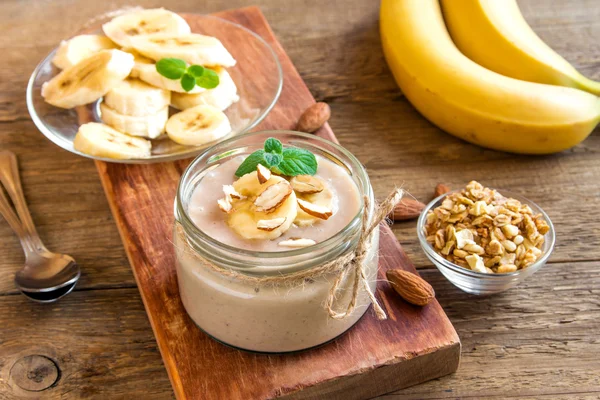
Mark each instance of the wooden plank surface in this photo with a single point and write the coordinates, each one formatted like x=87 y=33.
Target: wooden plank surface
x=412 y=346
x=514 y=345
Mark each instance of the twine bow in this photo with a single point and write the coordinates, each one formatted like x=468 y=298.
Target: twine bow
x=353 y=261
x=356 y=263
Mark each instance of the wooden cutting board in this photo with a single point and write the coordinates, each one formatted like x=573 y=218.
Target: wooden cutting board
x=375 y=357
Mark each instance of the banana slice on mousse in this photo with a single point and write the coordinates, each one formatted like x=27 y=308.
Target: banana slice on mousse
x=198 y=125
x=221 y=97
x=88 y=80
x=315 y=200
x=103 y=141
x=260 y=210
x=76 y=49
x=261 y=205
x=124 y=28
x=193 y=48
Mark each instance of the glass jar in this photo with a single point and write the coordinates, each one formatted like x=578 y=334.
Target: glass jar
x=268 y=318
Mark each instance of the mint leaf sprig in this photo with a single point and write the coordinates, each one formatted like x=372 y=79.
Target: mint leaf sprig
x=177 y=69
x=290 y=161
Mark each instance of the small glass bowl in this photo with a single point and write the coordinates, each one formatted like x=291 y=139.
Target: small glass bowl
x=259 y=85
x=477 y=282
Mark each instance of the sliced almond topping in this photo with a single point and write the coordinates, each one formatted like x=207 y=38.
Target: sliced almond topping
x=273 y=196
x=270 y=224
x=263 y=173
x=225 y=205
x=231 y=192
x=314 y=209
x=297 y=243
x=307 y=184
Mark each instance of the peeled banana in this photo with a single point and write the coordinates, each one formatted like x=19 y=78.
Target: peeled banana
x=245 y=216
x=103 y=141
x=192 y=48
x=88 y=80
x=470 y=101
x=124 y=28
x=150 y=126
x=71 y=51
x=220 y=97
x=495 y=35
x=136 y=98
x=198 y=125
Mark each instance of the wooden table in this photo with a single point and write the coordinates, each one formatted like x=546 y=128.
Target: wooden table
x=539 y=340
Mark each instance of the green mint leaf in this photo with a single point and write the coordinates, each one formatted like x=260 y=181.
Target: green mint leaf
x=272 y=159
x=273 y=145
x=195 y=70
x=298 y=162
x=188 y=82
x=172 y=68
x=208 y=80
x=250 y=163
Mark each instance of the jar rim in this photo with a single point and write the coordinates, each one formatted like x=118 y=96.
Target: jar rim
x=182 y=216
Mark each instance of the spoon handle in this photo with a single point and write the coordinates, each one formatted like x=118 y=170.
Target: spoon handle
x=9 y=176
x=14 y=222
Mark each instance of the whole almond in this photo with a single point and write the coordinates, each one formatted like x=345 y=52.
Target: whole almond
x=440 y=189
x=410 y=287
x=407 y=209
x=314 y=117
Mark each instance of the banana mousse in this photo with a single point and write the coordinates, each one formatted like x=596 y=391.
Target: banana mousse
x=262 y=206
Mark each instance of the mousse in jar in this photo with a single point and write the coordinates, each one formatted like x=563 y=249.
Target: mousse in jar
x=258 y=207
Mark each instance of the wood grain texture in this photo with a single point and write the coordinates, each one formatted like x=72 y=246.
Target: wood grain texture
x=335 y=47
x=384 y=355
x=102 y=350
x=538 y=340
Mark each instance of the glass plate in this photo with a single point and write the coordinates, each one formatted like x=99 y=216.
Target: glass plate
x=257 y=74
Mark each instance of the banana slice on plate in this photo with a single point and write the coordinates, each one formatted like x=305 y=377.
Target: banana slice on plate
x=136 y=98
x=220 y=97
x=263 y=210
x=314 y=191
x=145 y=70
x=192 y=48
x=138 y=59
x=72 y=51
x=150 y=126
x=103 y=141
x=88 y=80
x=198 y=125
x=124 y=28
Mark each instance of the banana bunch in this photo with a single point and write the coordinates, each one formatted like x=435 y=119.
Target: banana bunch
x=495 y=35
x=120 y=69
x=501 y=88
x=261 y=205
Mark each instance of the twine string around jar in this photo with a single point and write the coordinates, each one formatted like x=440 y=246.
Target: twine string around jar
x=357 y=263
x=350 y=262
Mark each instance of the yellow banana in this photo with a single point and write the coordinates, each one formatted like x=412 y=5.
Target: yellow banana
x=470 y=101
x=495 y=35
